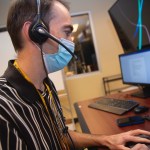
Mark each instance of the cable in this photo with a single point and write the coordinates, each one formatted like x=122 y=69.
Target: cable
x=65 y=128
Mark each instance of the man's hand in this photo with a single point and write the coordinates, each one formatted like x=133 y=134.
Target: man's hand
x=113 y=142
x=118 y=141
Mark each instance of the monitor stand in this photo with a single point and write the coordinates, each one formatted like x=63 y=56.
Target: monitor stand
x=144 y=92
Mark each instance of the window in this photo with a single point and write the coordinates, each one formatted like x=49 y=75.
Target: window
x=84 y=47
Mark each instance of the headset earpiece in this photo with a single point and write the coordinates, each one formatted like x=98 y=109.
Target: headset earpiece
x=34 y=35
x=37 y=24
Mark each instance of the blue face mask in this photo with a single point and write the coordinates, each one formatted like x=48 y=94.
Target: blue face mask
x=59 y=60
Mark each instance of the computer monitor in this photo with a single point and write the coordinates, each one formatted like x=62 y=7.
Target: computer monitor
x=135 y=70
x=132 y=24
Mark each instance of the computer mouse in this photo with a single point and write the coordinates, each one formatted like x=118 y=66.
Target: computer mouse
x=132 y=144
x=141 y=109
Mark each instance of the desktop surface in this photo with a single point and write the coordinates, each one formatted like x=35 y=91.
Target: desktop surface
x=99 y=122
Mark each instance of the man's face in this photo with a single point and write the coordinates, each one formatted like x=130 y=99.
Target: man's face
x=60 y=26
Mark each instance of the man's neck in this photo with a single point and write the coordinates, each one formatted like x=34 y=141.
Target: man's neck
x=32 y=66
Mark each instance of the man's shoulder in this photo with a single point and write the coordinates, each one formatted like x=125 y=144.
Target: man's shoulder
x=2 y=81
x=5 y=89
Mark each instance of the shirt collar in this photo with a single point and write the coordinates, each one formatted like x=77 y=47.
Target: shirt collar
x=24 y=88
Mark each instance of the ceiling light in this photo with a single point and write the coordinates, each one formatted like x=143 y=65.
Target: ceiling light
x=75 y=27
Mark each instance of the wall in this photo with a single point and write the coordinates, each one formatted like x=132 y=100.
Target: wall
x=107 y=45
x=7 y=51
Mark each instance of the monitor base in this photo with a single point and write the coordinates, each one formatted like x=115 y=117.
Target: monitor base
x=143 y=93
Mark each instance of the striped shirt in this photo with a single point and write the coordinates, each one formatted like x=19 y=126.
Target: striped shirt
x=24 y=121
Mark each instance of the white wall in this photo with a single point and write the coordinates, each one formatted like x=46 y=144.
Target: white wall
x=7 y=51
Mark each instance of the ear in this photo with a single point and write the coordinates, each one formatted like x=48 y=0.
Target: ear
x=25 y=30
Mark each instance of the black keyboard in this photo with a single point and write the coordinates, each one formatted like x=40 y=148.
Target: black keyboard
x=116 y=106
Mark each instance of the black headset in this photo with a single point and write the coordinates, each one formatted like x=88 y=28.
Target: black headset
x=37 y=24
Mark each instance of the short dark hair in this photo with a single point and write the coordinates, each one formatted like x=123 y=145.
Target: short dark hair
x=26 y=10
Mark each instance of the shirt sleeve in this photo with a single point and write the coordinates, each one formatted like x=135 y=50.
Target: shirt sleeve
x=9 y=137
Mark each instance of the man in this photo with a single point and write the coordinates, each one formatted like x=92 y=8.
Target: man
x=31 y=116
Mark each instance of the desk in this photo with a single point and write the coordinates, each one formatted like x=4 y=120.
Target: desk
x=99 y=122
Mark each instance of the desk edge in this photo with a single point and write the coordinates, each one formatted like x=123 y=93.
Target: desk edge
x=82 y=122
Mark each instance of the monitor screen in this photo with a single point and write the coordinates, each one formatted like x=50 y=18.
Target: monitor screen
x=132 y=24
x=135 y=67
